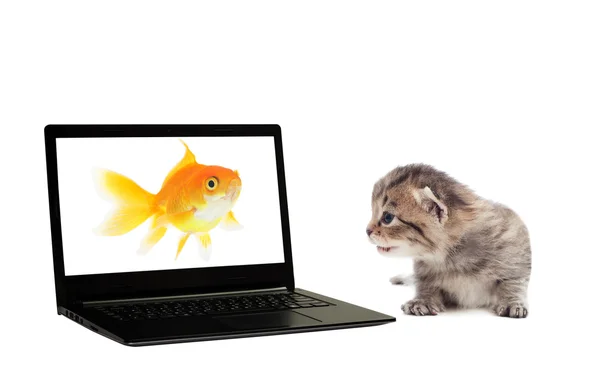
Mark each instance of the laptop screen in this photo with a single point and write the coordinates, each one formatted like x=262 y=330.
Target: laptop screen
x=147 y=204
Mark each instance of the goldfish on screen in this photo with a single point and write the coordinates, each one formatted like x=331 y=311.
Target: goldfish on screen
x=194 y=198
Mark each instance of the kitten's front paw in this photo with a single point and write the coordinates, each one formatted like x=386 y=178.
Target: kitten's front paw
x=422 y=307
x=513 y=310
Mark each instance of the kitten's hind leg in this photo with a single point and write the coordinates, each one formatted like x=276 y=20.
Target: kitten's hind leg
x=402 y=280
x=512 y=298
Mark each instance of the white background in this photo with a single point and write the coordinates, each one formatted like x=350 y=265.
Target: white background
x=147 y=161
x=502 y=95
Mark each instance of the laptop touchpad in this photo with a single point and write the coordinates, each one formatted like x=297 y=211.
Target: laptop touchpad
x=254 y=321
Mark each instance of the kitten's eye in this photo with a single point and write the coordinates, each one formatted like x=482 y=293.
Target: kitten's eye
x=387 y=218
x=211 y=183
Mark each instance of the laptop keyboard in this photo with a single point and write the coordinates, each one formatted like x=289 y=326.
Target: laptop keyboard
x=210 y=306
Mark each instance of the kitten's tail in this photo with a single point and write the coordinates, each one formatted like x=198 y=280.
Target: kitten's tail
x=403 y=280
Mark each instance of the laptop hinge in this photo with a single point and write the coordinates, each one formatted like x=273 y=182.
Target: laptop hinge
x=186 y=296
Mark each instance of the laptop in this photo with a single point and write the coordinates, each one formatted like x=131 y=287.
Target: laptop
x=178 y=233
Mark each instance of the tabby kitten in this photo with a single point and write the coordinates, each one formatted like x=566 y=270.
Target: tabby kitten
x=468 y=251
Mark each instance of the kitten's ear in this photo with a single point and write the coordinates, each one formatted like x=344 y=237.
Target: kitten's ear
x=430 y=203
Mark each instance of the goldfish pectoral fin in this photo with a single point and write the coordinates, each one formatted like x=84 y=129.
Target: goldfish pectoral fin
x=205 y=250
x=228 y=222
x=153 y=237
x=182 y=241
x=122 y=220
x=179 y=205
x=187 y=159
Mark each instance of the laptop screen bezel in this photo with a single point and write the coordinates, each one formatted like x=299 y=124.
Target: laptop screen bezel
x=142 y=284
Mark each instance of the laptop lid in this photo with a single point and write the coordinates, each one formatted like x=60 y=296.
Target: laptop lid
x=158 y=210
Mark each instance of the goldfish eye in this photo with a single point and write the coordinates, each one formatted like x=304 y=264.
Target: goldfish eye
x=212 y=183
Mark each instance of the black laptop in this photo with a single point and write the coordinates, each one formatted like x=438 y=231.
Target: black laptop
x=177 y=233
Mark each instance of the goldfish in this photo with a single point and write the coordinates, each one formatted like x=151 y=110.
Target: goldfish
x=194 y=198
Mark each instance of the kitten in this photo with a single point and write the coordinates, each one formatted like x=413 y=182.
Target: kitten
x=468 y=251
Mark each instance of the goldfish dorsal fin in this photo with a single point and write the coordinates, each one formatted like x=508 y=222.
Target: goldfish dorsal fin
x=187 y=159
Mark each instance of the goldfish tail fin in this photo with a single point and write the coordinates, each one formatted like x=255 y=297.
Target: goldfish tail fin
x=134 y=204
x=228 y=222
x=118 y=188
x=122 y=220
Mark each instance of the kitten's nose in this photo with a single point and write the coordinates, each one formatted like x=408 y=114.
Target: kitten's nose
x=369 y=232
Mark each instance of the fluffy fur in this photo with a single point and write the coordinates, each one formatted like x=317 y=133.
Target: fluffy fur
x=468 y=251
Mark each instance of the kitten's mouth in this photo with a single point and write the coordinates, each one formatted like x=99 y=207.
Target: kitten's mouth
x=384 y=249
